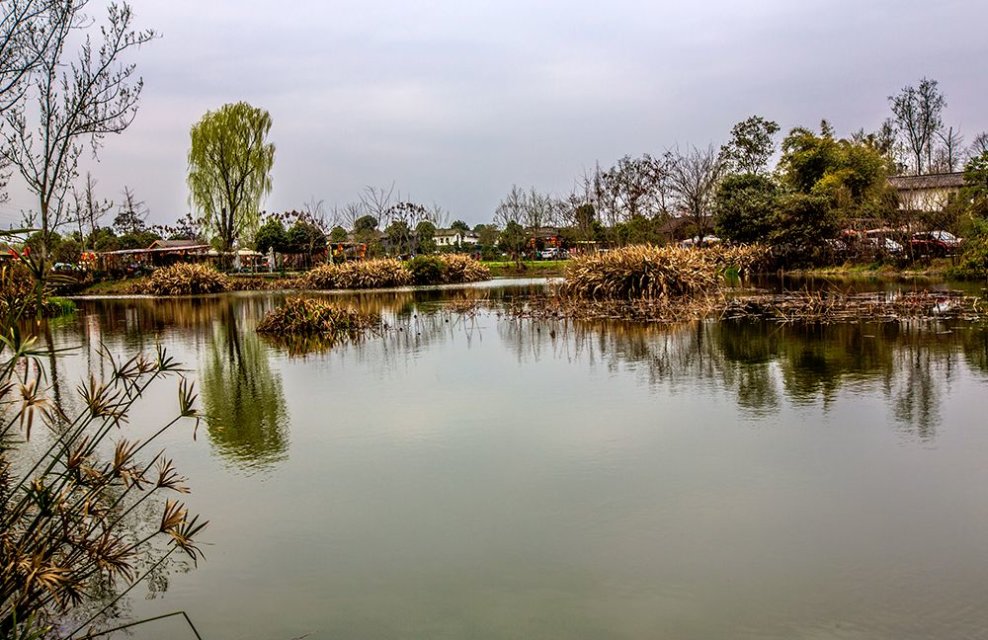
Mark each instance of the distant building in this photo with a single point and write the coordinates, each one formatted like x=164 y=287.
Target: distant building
x=929 y=192
x=455 y=238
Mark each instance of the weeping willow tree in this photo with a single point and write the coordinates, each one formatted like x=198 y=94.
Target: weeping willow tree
x=230 y=170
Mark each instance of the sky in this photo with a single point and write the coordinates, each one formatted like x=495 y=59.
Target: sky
x=453 y=102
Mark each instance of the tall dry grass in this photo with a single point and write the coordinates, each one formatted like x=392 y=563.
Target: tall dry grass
x=650 y=272
x=369 y=274
x=185 y=279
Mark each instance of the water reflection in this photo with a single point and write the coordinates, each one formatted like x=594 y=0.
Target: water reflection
x=242 y=396
x=763 y=365
x=911 y=364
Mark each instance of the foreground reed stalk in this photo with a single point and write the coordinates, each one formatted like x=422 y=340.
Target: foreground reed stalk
x=75 y=490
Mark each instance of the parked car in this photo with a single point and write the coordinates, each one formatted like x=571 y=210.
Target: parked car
x=553 y=253
x=934 y=243
x=699 y=242
x=884 y=243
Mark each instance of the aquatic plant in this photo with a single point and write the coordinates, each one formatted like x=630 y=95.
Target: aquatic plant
x=312 y=317
x=368 y=274
x=185 y=279
x=642 y=272
x=21 y=297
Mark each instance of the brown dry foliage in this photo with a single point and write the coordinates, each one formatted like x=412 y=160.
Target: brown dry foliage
x=185 y=279
x=370 y=274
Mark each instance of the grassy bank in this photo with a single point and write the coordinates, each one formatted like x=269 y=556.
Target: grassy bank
x=527 y=268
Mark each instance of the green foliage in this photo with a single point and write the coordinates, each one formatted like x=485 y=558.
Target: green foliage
x=365 y=224
x=973 y=263
x=751 y=146
x=459 y=225
x=271 y=235
x=138 y=240
x=425 y=269
x=802 y=225
x=449 y=268
x=68 y=250
x=638 y=229
x=338 y=234
x=425 y=233
x=513 y=239
x=399 y=237
x=976 y=185
x=186 y=279
x=745 y=207
x=230 y=165
x=305 y=237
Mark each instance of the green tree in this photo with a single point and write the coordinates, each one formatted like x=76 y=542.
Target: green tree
x=459 y=225
x=306 y=238
x=853 y=176
x=68 y=250
x=399 y=237
x=425 y=237
x=338 y=234
x=751 y=146
x=513 y=239
x=744 y=207
x=800 y=228
x=271 y=235
x=230 y=163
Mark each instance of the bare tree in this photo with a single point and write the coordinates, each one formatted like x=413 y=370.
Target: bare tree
x=346 y=215
x=948 y=155
x=89 y=210
x=376 y=200
x=131 y=214
x=27 y=30
x=694 y=176
x=979 y=147
x=511 y=208
x=917 y=117
x=633 y=187
x=78 y=102
x=438 y=216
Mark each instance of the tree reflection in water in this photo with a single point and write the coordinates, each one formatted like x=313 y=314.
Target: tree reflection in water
x=242 y=397
x=911 y=364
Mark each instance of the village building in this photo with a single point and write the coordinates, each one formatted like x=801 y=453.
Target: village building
x=930 y=192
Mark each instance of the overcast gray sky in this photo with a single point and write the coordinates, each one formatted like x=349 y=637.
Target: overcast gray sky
x=455 y=101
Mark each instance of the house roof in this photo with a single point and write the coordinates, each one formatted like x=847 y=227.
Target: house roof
x=930 y=181
x=175 y=244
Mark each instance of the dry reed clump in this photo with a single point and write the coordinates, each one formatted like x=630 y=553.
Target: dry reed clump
x=639 y=272
x=459 y=268
x=742 y=258
x=185 y=279
x=310 y=317
x=19 y=294
x=370 y=274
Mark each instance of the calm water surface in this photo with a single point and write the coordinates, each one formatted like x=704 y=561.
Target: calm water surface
x=474 y=476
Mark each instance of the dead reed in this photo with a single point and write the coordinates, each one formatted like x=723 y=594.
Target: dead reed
x=369 y=274
x=185 y=279
x=312 y=317
x=646 y=272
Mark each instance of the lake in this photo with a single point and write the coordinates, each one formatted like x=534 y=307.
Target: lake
x=472 y=475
